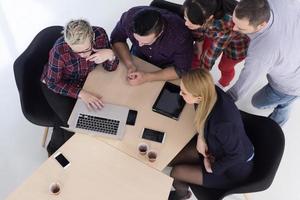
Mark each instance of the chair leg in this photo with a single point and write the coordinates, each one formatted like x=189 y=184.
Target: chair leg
x=246 y=196
x=45 y=135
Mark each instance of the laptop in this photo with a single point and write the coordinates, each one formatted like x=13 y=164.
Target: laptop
x=110 y=121
x=169 y=102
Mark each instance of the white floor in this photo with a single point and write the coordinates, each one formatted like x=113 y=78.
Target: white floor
x=20 y=141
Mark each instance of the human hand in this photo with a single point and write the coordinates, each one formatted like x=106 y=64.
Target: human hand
x=207 y=164
x=130 y=69
x=101 y=55
x=137 y=78
x=90 y=100
x=202 y=147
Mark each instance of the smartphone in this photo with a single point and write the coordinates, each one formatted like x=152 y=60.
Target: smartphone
x=153 y=135
x=131 y=118
x=62 y=160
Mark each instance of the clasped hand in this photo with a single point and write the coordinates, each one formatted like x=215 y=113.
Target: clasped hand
x=136 y=77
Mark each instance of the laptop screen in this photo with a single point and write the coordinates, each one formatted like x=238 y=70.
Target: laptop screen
x=169 y=102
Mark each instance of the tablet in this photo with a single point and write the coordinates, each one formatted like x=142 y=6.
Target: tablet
x=169 y=103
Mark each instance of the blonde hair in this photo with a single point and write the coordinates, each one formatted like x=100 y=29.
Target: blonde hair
x=77 y=31
x=200 y=84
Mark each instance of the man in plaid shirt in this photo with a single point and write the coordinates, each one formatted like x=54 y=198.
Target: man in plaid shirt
x=71 y=59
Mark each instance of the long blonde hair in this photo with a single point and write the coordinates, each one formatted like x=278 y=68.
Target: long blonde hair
x=200 y=84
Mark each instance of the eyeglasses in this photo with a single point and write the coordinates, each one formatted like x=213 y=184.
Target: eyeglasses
x=85 y=51
x=89 y=49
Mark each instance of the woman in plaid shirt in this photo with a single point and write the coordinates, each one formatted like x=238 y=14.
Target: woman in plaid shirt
x=75 y=54
x=211 y=24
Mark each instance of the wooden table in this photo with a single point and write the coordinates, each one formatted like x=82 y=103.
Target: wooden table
x=114 y=88
x=97 y=171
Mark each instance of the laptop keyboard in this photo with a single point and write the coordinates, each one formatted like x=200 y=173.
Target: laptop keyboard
x=97 y=124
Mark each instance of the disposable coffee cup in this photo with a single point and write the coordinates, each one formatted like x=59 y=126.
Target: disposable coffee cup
x=143 y=148
x=54 y=188
x=152 y=155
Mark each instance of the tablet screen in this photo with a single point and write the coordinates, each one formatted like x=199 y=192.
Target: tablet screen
x=169 y=102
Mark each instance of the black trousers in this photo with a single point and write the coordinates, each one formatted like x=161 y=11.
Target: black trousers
x=62 y=106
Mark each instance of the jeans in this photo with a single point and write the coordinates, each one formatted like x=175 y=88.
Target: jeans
x=268 y=97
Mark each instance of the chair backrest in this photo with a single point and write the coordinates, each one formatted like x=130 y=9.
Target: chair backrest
x=28 y=68
x=170 y=6
x=268 y=140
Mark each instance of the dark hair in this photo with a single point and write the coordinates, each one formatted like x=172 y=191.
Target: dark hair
x=256 y=11
x=147 y=21
x=198 y=11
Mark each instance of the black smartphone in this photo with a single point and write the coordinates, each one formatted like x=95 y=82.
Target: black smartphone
x=62 y=160
x=153 y=135
x=131 y=118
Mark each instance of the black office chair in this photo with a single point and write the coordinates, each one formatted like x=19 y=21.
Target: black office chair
x=28 y=68
x=173 y=7
x=268 y=140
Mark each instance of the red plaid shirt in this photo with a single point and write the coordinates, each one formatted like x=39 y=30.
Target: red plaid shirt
x=66 y=72
x=233 y=44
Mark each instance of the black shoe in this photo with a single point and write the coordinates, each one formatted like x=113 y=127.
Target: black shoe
x=173 y=196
